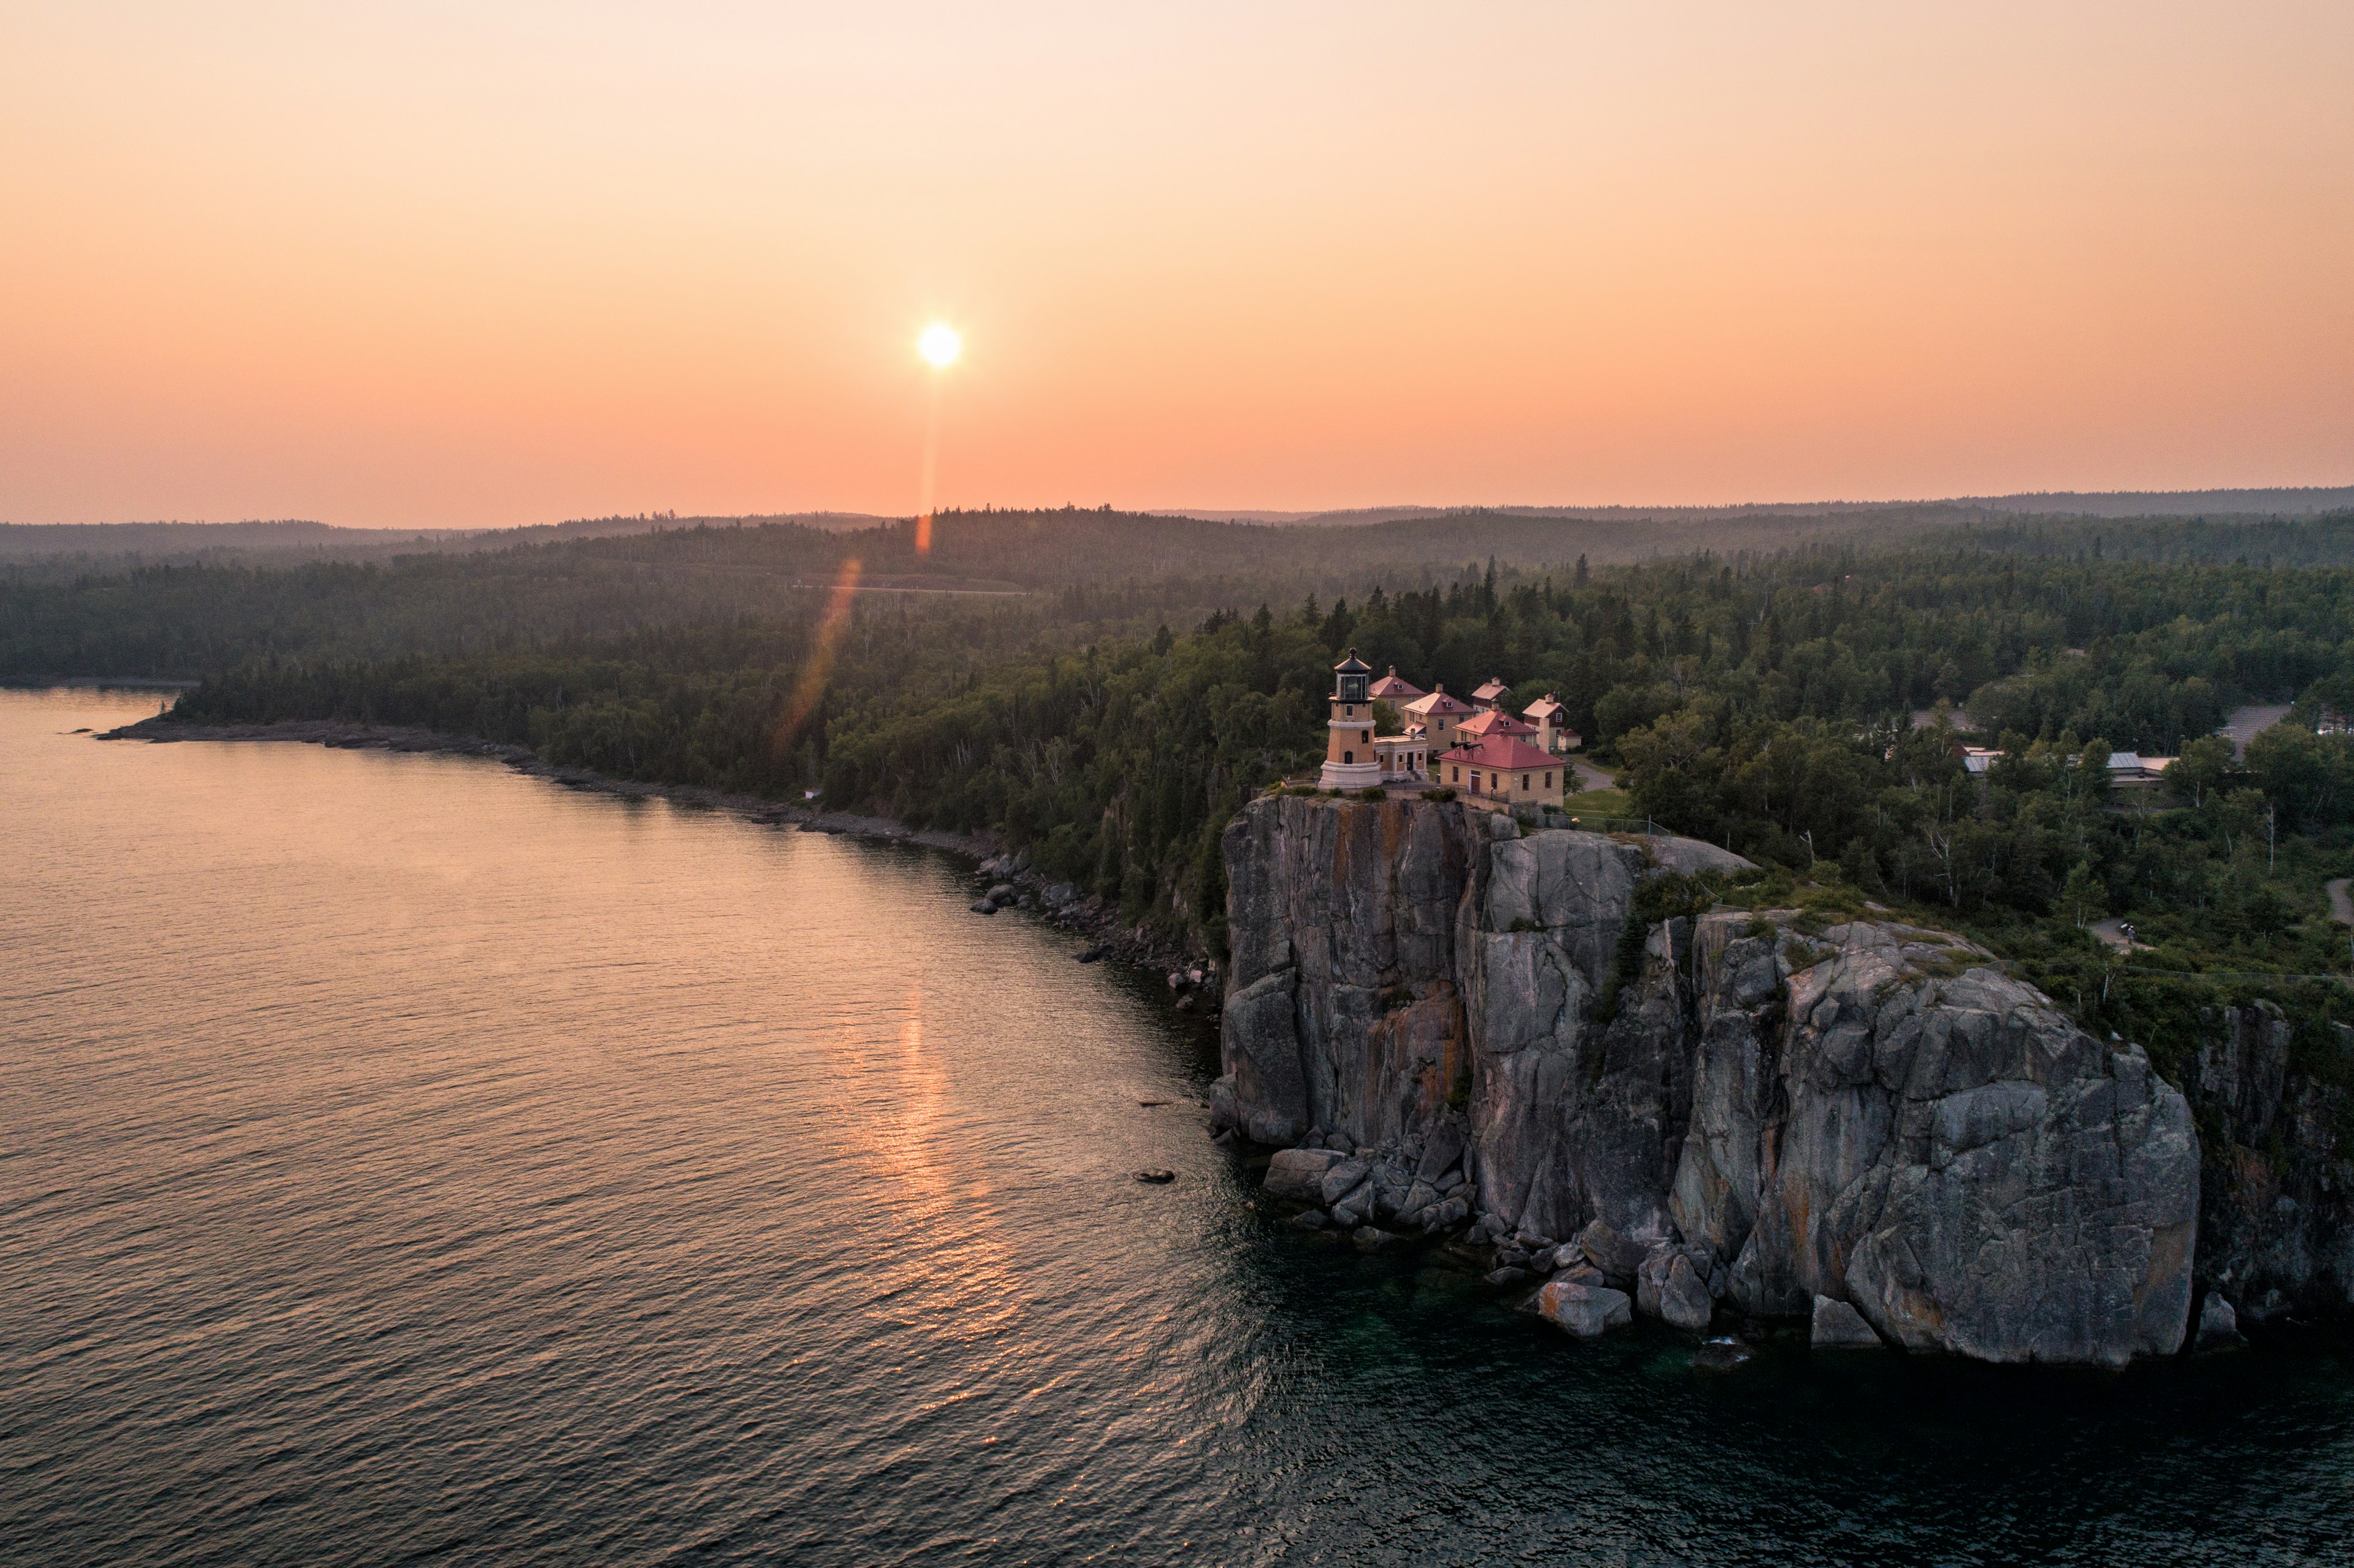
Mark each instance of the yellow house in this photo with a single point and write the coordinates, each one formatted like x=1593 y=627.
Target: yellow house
x=1439 y=715
x=1501 y=771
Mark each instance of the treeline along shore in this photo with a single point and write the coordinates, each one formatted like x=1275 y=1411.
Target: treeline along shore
x=1807 y=707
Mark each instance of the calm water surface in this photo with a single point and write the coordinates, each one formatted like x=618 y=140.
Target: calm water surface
x=402 y=1161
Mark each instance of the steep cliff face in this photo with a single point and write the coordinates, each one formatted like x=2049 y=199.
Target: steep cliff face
x=1871 y=1116
x=2276 y=1210
x=1343 y=1015
x=1943 y=1150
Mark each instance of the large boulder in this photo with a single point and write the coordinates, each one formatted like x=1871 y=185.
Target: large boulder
x=1298 y=1173
x=1613 y=1254
x=1669 y=1289
x=1342 y=1177
x=1839 y=1327
x=1587 y=1311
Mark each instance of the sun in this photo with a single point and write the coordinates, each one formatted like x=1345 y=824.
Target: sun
x=941 y=344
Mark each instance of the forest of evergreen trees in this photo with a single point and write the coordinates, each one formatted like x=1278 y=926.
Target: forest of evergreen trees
x=1112 y=720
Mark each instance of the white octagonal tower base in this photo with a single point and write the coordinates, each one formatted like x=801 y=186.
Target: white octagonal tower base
x=1349 y=776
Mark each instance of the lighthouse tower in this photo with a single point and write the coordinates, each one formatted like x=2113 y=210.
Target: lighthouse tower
x=1350 y=761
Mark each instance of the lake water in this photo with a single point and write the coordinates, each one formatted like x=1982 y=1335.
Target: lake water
x=404 y=1160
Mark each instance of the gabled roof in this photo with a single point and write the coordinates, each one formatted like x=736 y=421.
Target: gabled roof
x=1505 y=753
x=1389 y=688
x=1494 y=689
x=1438 y=701
x=1495 y=721
x=1352 y=665
x=1544 y=707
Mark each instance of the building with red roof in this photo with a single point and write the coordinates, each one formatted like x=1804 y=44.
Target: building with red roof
x=1395 y=690
x=1490 y=695
x=1502 y=772
x=1493 y=721
x=1552 y=721
x=1437 y=713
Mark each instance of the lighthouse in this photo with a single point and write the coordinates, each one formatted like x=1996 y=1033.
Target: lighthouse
x=1350 y=760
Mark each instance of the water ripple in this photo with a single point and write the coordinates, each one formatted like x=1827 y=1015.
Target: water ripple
x=402 y=1161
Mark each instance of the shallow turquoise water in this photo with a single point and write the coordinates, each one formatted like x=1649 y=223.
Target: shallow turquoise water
x=404 y=1160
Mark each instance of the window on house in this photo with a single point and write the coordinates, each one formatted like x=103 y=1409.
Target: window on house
x=1458 y=774
x=1548 y=784
x=1524 y=781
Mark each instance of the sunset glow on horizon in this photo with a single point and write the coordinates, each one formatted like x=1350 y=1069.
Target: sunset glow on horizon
x=434 y=265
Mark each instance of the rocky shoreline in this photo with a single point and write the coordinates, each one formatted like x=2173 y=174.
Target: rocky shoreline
x=1455 y=1030
x=1192 y=980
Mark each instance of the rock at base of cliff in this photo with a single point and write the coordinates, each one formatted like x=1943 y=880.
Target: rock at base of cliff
x=2219 y=1326
x=1298 y=1173
x=1839 y=1327
x=1587 y=1311
x=1608 y=1251
x=1444 y=1216
x=983 y=907
x=1668 y=1287
x=1310 y=1220
x=1342 y=1177
x=1373 y=1238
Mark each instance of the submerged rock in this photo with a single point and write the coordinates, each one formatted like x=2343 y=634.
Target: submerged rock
x=983 y=907
x=1156 y=1178
x=1719 y=1355
x=1839 y=1327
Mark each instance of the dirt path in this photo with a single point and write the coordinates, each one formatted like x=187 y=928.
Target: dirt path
x=2112 y=933
x=2342 y=901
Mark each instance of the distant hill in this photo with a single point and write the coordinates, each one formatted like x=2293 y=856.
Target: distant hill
x=2305 y=527
x=286 y=541
x=2275 y=502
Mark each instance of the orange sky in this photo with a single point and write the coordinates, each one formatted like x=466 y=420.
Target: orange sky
x=441 y=264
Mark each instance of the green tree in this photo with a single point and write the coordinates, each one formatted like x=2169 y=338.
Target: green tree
x=2082 y=897
x=2199 y=771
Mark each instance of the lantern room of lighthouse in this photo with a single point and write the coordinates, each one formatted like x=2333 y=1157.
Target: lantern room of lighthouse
x=1350 y=760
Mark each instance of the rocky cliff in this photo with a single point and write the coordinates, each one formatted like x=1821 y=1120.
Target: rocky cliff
x=1457 y=1026
x=2276 y=1210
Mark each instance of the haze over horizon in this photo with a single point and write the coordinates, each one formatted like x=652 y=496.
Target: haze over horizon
x=433 y=266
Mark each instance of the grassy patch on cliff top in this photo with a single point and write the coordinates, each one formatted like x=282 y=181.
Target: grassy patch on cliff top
x=1599 y=803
